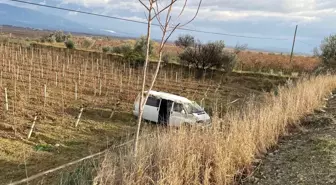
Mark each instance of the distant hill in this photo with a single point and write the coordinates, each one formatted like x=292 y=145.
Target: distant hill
x=23 y=17
x=29 y=18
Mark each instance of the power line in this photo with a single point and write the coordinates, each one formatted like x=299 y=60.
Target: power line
x=142 y=22
x=232 y=35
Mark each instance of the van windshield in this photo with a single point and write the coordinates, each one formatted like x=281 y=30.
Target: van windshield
x=193 y=108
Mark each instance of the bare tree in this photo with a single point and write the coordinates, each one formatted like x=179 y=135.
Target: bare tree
x=239 y=48
x=185 y=41
x=208 y=56
x=155 y=11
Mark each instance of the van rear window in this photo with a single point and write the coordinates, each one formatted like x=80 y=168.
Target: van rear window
x=152 y=101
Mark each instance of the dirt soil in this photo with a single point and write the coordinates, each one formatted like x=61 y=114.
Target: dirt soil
x=306 y=156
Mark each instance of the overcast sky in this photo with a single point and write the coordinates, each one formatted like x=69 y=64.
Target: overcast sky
x=257 y=18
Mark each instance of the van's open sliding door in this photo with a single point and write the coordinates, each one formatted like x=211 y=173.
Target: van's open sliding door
x=151 y=111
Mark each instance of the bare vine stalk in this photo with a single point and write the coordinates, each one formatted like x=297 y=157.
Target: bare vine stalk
x=154 y=12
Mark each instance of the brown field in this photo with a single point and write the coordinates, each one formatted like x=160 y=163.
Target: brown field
x=254 y=61
x=54 y=83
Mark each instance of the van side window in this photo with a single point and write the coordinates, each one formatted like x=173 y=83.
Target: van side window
x=177 y=107
x=152 y=101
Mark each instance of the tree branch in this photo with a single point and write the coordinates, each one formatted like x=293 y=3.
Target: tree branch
x=170 y=34
x=143 y=4
x=158 y=17
x=185 y=4
x=165 y=8
x=198 y=8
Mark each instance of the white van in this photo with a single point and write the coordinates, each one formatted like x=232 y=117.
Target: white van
x=172 y=110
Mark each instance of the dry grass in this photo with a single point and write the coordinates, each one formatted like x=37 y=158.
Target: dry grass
x=219 y=154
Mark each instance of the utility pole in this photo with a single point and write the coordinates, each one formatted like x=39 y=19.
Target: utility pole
x=291 y=57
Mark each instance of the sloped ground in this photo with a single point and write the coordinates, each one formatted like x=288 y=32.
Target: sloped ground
x=41 y=86
x=307 y=156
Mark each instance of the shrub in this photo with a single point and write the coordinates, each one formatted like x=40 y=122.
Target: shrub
x=185 y=41
x=69 y=36
x=4 y=39
x=135 y=59
x=88 y=42
x=69 y=44
x=141 y=45
x=60 y=36
x=106 y=49
x=122 y=49
x=328 y=49
x=51 y=39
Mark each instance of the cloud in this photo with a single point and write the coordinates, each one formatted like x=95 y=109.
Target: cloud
x=110 y=31
x=42 y=3
x=230 y=10
x=72 y=13
x=134 y=18
x=224 y=15
x=33 y=7
x=300 y=11
x=87 y=3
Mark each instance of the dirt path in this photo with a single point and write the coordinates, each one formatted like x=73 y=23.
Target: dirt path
x=307 y=156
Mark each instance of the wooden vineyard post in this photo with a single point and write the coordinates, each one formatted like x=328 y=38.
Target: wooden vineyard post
x=97 y=65
x=165 y=78
x=130 y=81
x=1 y=79
x=45 y=95
x=6 y=100
x=121 y=85
x=105 y=83
x=76 y=91
x=57 y=62
x=32 y=127
x=100 y=87
x=138 y=82
x=176 y=77
x=62 y=97
x=92 y=67
x=79 y=116
x=63 y=70
x=114 y=108
x=221 y=110
x=79 y=77
x=56 y=79
x=29 y=83
x=95 y=86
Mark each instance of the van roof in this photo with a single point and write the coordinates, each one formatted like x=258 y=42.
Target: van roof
x=169 y=96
